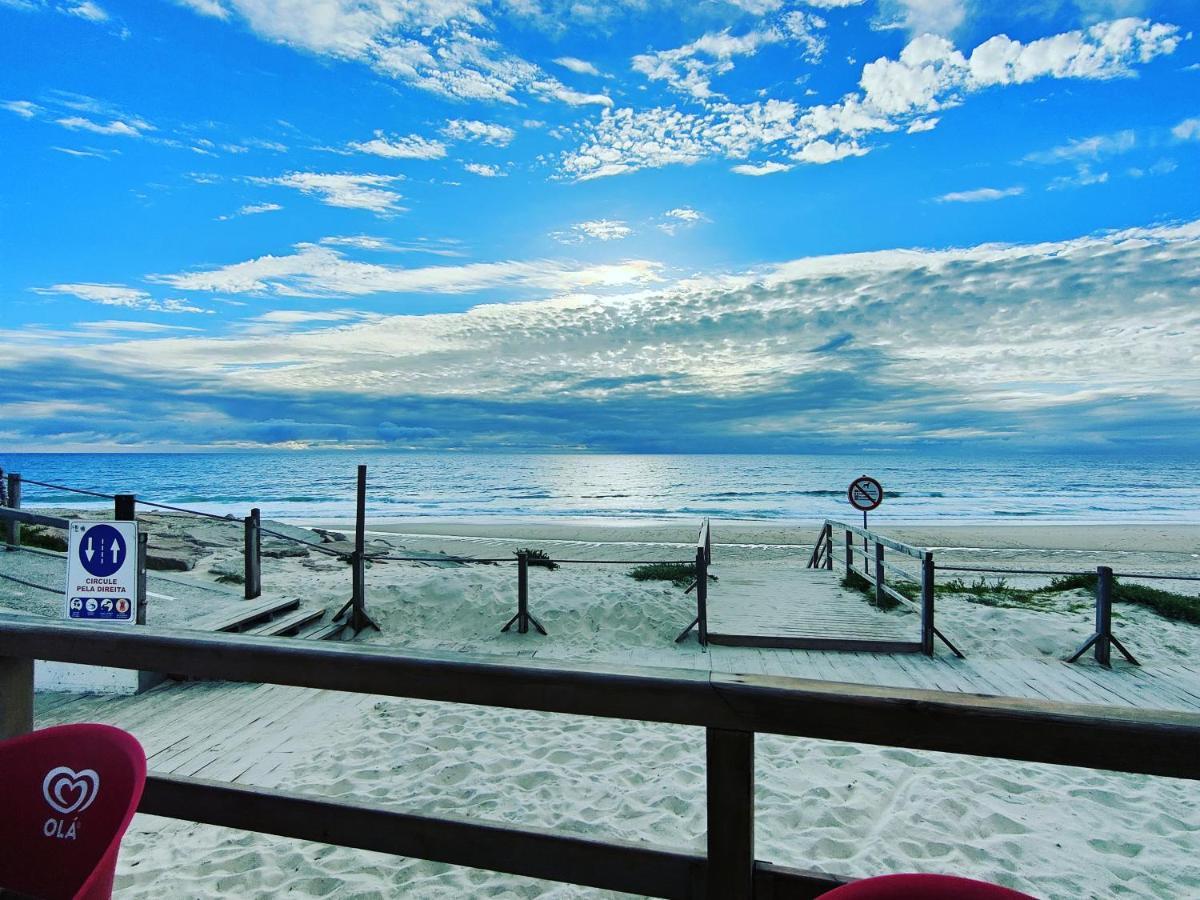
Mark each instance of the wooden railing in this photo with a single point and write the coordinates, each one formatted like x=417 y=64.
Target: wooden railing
x=732 y=708
x=876 y=568
x=700 y=586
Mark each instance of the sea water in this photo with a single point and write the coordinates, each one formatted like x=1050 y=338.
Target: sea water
x=308 y=485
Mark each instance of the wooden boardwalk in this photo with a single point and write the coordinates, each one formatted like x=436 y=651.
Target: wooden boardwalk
x=813 y=612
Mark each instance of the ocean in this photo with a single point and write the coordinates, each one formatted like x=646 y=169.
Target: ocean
x=312 y=485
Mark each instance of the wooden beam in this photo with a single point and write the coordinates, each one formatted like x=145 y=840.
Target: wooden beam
x=730 y=770
x=628 y=866
x=28 y=518
x=16 y=696
x=801 y=642
x=252 y=555
x=891 y=544
x=1151 y=742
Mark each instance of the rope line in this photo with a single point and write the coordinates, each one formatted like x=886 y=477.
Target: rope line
x=40 y=587
x=60 y=487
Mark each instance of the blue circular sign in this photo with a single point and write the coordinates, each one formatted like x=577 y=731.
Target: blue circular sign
x=102 y=550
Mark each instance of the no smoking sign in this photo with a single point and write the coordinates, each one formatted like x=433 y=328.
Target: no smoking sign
x=865 y=493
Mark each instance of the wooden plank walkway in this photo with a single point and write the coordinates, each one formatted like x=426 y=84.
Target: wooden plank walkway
x=747 y=609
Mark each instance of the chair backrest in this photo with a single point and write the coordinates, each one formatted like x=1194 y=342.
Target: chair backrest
x=69 y=794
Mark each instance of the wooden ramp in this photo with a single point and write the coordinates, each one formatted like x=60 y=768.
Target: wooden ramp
x=813 y=612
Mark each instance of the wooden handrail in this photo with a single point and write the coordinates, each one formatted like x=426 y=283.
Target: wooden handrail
x=731 y=707
x=28 y=518
x=890 y=543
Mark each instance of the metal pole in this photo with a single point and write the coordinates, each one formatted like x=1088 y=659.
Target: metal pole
x=252 y=554
x=866 y=554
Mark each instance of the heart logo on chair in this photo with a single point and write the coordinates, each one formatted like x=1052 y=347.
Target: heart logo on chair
x=68 y=791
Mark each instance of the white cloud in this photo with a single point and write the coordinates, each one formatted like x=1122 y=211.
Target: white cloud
x=87 y=10
x=1083 y=177
x=320 y=271
x=447 y=47
x=484 y=170
x=119 y=295
x=213 y=8
x=918 y=17
x=930 y=75
x=919 y=125
x=410 y=146
x=596 y=229
x=361 y=191
x=23 y=108
x=690 y=68
x=252 y=209
x=132 y=128
x=83 y=154
x=768 y=168
x=1087 y=148
x=579 y=66
x=1187 y=130
x=680 y=217
x=980 y=195
x=1096 y=343
x=474 y=130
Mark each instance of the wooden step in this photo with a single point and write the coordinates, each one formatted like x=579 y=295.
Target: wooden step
x=326 y=631
x=288 y=623
x=237 y=618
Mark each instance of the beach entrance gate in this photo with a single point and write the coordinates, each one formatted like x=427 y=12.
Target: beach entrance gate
x=892 y=610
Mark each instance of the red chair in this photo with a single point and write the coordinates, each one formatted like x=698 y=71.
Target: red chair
x=922 y=887
x=68 y=793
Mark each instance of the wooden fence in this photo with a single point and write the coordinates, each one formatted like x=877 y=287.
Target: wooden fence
x=876 y=568
x=732 y=708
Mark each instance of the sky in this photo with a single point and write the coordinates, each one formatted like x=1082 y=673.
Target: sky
x=629 y=226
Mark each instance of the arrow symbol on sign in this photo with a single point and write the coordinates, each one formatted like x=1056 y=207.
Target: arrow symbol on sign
x=115 y=549
x=91 y=551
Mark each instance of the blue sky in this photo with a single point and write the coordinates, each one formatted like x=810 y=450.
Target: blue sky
x=727 y=224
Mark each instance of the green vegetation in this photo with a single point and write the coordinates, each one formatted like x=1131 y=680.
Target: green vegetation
x=538 y=558
x=998 y=593
x=1168 y=604
x=35 y=536
x=855 y=582
x=681 y=574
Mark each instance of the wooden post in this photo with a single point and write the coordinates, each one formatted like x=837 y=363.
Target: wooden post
x=1103 y=646
x=16 y=697
x=927 y=586
x=1103 y=640
x=252 y=554
x=702 y=596
x=849 y=551
x=143 y=543
x=879 y=595
x=125 y=507
x=829 y=547
x=523 y=619
x=357 y=604
x=730 y=770
x=14 y=502
x=523 y=592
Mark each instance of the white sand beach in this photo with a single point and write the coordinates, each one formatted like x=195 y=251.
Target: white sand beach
x=1055 y=832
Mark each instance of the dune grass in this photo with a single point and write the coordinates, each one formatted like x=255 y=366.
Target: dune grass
x=539 y=558
x=35 y=536
x=681 y=574
x=998 y=592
